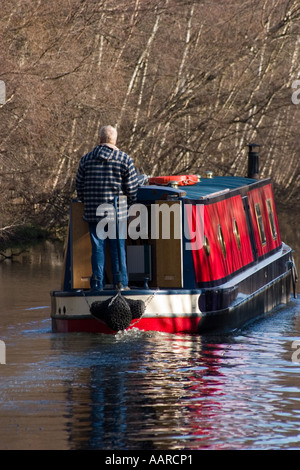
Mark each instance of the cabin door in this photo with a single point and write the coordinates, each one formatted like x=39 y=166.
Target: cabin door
x=166 y=236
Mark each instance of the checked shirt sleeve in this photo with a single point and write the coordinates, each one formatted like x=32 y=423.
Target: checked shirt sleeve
x=130 y=182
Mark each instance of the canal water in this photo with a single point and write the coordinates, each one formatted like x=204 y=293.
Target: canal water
x=141 y=390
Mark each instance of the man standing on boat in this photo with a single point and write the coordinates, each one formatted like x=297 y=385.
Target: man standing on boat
x=103 y=175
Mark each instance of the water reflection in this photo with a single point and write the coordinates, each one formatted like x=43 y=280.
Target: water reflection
x=144 y=391
x=156 y=391
x=26 y=278
x=150 y=390
x=140 y=390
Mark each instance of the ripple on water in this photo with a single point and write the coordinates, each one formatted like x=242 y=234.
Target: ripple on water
x=147 y=390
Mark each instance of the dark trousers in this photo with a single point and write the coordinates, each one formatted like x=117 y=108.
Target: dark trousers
x=117 y=250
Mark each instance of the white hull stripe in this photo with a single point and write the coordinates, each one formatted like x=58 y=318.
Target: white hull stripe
x=181 y=305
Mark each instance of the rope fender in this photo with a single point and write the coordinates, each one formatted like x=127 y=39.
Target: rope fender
x=117 y=312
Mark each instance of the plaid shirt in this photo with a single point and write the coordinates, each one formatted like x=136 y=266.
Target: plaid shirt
x=103 y=174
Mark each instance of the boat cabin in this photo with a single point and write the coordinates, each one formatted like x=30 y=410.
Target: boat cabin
x=190 y=234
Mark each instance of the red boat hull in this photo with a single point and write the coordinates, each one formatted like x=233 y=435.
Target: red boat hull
x=91 y=325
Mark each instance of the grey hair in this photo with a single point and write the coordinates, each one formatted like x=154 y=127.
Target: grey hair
x=108 y=135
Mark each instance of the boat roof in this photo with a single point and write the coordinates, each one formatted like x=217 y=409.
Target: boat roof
x=206 y=188
x=217 y=184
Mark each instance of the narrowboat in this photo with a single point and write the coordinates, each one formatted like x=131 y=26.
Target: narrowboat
x=204 y=255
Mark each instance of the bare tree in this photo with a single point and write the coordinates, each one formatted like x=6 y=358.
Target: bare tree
x=188 y=83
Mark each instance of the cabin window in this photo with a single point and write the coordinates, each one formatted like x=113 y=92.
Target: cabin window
x=236 y=233
x=271 y=219
x=206 y=245
x=260 y=224
x=221 y=240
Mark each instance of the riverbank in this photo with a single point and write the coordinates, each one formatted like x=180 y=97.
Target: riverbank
x=23 y=237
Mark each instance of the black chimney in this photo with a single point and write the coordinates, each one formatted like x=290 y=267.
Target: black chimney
x=253 y=161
